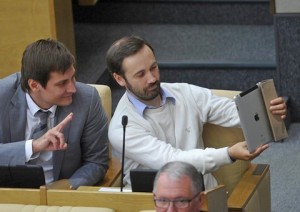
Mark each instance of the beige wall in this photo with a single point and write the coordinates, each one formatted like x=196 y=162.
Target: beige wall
x=285 y=6
x=25 y=21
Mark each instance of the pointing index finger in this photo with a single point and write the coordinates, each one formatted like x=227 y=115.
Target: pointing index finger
x=64 y=122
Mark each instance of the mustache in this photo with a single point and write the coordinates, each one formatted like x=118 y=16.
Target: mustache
x=156 y=83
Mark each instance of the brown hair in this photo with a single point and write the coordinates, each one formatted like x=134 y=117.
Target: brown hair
x=43 y=57
x=121 y=49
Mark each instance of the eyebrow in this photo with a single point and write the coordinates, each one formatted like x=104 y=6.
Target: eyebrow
x=61 y=81
x=154 y=63
x=65 y=80
x=138 y=72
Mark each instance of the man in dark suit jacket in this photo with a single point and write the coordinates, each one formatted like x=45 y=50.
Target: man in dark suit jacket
x=75 y=147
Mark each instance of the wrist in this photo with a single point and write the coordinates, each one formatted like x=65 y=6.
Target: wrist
x=231 y=157
x=34 y=147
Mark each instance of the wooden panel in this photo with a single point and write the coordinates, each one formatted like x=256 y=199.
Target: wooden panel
x=63 y=24
x=216 y=199
x=21 y=196
x=23 y=22
x=246 y=187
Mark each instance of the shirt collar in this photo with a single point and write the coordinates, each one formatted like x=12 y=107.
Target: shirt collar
x=33 y=107
x=141 y=107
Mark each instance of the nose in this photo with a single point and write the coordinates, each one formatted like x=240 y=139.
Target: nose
x=151 y=78
x=71 y=87
x=171 y=207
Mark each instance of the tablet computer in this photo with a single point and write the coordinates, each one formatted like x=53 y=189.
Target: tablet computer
x=254 y=118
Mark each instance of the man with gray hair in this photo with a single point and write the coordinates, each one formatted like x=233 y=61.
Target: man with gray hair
x=178 y=186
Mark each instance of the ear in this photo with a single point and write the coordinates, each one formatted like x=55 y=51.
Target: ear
x=34 y=85
x=120 y=80
x=202 y=200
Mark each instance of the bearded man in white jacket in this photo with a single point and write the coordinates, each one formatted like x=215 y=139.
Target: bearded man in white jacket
x=165 y=120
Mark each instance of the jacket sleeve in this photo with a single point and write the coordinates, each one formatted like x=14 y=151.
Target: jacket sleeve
x=94 y=146
x=143 y=147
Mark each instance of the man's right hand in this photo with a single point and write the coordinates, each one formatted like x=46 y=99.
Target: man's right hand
x=239 y=151
x=53 y=139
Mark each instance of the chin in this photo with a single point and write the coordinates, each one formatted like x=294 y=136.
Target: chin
x=65 y=102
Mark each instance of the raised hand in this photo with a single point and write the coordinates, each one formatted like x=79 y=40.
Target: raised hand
x=239 y=151
x=53 y=139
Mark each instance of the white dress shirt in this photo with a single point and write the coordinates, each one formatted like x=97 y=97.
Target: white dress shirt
x=45 y=158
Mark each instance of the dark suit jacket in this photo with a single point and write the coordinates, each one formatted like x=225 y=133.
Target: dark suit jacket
x=85 y=161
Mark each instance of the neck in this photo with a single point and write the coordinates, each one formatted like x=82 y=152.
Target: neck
x=156 y=102
x=35 y=100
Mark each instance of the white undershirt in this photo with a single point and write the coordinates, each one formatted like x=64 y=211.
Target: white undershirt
x=166 y=125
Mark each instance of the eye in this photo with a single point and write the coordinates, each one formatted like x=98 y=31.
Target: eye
x=182 y=201
x=62 y=83
x=140 y=74
x=154 y=67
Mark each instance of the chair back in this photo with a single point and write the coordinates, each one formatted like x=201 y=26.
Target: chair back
x=216 y=199
x=105 y=95
x=217 y=137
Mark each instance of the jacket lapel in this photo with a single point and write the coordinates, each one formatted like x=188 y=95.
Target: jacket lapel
x=58 y=156
x=17 y=116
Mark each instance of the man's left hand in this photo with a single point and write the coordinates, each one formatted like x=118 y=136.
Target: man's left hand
x=278 y=107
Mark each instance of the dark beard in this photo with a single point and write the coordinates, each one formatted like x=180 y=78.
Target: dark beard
x=145 y=95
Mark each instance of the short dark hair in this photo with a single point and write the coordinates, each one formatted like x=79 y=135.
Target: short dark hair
x=42 y=57
x=121 y=49
x=176 y=170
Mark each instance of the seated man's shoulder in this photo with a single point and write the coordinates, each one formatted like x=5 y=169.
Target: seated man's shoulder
x=10 y=83
x=175 y=85
x=84 y=89
x=180 y=88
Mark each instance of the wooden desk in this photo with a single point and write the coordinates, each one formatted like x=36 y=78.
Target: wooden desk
x=95 y=188
x=120 y=202
x=110 y=179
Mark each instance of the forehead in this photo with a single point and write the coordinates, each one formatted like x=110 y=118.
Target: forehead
x=174 y=188
x=58 y=75
x=141 y=60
